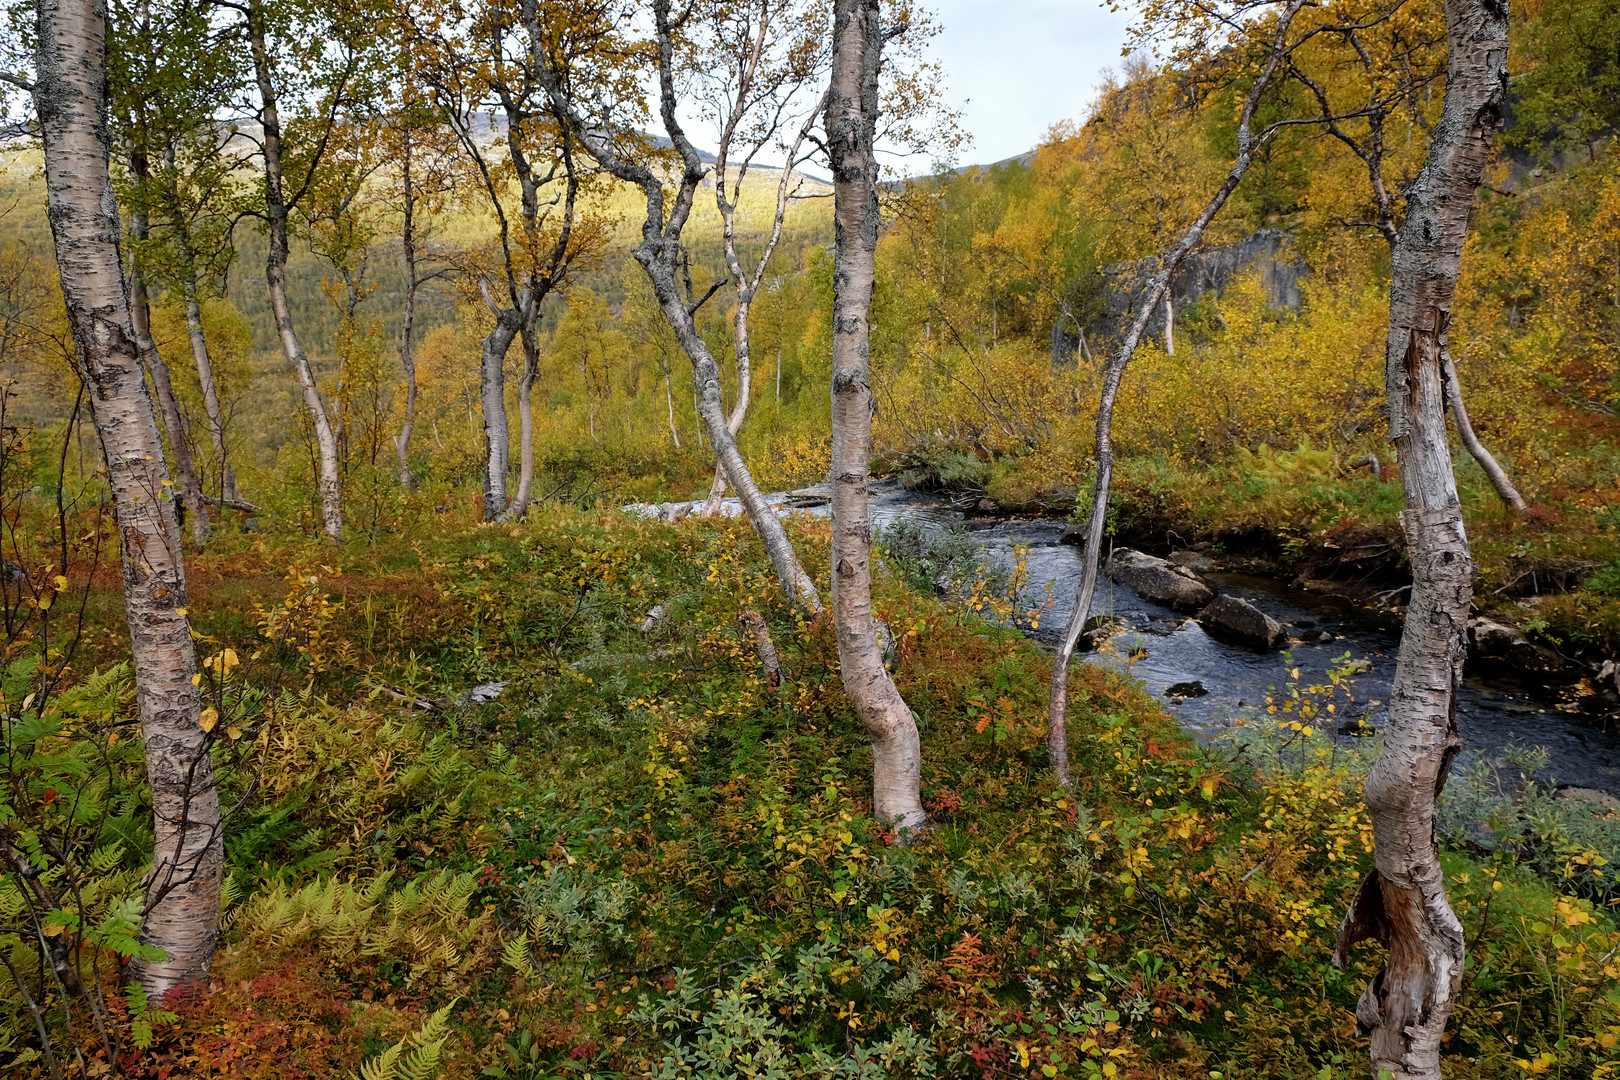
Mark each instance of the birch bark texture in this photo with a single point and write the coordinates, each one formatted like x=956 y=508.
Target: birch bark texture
x=852 y=106
x=1158 y=291
x=659 y=254
x=181 y=914
x=1403 y=901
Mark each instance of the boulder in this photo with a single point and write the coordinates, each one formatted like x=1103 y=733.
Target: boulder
x=1074 y=533
x=1510 y=645
x=1191 y=688
x=1192 y=560
x=1494 y=639
x=1608 y=678
x=1238 y=620
x=1159 y=581
x=1601 y=799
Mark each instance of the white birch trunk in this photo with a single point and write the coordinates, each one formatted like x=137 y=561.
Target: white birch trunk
x=525 y=487
x=492 y=396
x=1058 y=703
x=852 y=106
x=205 y=378
x=1403 y=901
x=407 y=362
x=276 y=276
x=181 y=914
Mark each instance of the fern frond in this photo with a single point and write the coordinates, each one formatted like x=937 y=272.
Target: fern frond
x=516 y=957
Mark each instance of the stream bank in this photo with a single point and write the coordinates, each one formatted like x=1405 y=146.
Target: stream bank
x=1175 y=658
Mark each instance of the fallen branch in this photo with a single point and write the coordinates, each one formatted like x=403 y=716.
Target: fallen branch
x=233 y=504
x=409 y=701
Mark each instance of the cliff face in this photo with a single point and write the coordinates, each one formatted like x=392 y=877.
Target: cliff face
x=1124 y=288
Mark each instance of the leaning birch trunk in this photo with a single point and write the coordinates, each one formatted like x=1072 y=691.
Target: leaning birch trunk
x=140 y=310
x=748 y=285
x=657 y=254
x=852 y=109
x=181 y=914
x=276 y=277
x=1058 y=703
x=1465 y=431
x=205 y=378
x=739 y=408
x=706 y=377
x=1403 y=902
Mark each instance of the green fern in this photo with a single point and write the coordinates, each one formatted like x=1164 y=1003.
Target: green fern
x=516 y=957
x=417 y=1056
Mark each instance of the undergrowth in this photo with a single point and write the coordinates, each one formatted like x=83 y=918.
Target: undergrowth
x=643 y=860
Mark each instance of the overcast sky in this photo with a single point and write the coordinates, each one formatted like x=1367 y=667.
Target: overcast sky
x=1016 y=67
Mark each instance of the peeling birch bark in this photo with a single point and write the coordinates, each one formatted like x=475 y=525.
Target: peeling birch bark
x=181 y=914
x=1403 y=903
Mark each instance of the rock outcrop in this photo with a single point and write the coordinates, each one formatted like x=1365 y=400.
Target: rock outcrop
x=1159 y=581
x=1238 y=620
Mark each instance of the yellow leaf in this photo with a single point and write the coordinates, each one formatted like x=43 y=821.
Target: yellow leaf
x=233 y=732
x=60 y=582
x=230 y=659
x=196 y=680
x=209 y=718
x=182 y=612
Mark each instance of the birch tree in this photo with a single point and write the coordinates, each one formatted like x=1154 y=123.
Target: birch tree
x=852 y=107
x=281 y=43
x=138 y=86
x=484 y=75
x=1402 y=903
x=606 y=127
x=756 y=69
x=1259 y=28
x=422 y=152
x=181 y=913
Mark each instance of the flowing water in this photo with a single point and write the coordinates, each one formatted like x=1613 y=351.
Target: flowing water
x=1584 y=744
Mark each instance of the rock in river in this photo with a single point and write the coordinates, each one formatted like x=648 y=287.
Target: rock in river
x=1509 y=644
x=1156 y=580
x=1238 y=620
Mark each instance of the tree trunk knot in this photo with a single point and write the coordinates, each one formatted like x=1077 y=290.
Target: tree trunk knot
x=845 y=568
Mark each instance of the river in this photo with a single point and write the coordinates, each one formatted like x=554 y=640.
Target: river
x=1583 y=742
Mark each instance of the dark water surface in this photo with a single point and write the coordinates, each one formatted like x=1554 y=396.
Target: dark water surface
x=1584 y=745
